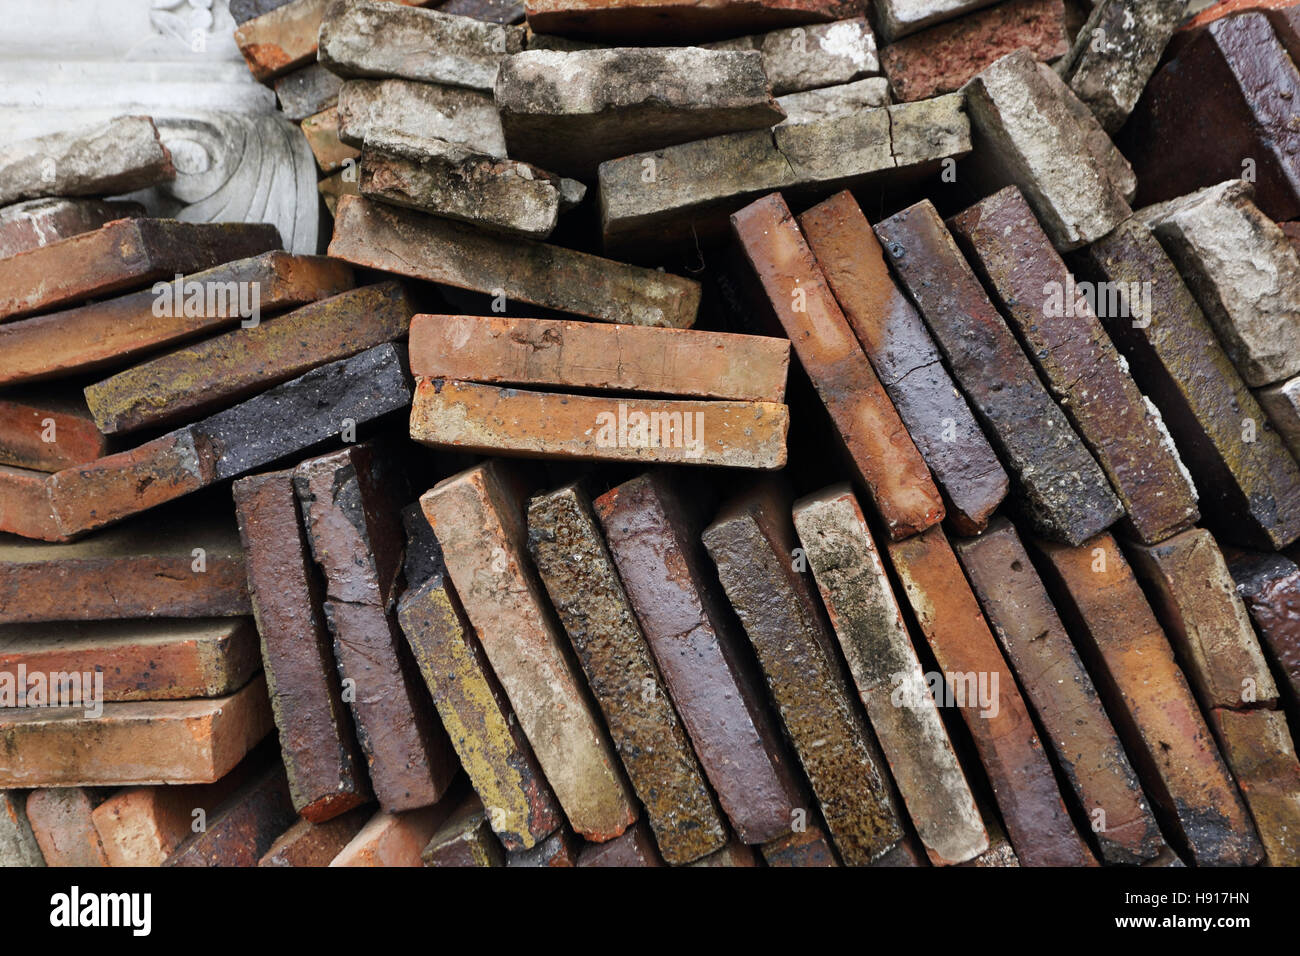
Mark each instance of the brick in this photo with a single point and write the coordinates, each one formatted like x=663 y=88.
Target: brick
x=27 y=420
x=624 y=358
x=832 y=101
x=243 y=828
x=873 y=637
x=734 y=853
x=677 y=20
x=1243 y=273
x=349 y=501
x=1284 y=18
x=394 y=839
x=497 y=421
x=1146 y=693
x=999 y=853
x=1080 y=365
x=900 y=17
x=281 y=38
x=1258 y=747
x=907 y=361
x=331 y=188
x=423 y=558
x=1224 y=97
x=478 y=516
x=318 y=746
x=464 y=840
x=18 y=846
x=585 y=590
x=751 y=541
x=806 y=58
x=1219 y=9
x=807 y=847
x=883 y=454
x=321 y=131
x=1062 y=694
x=1269 y=586
x=369 y=109
x=1031 y=131
x=138 y=570
x=62 y=826
x=308 y=91
x=942 y=58
x=107 y=158
x=1060 y=486
x=187 y=382
x=39 y=222
x=138 y=742
x=491 y=745
x=561 y=848
x=121 y=256
x=371 y=38
x=1292 y=232
x=1250 y=489
x=107 y=333
x=25 y=507
x=1020 y=774
x=635 y=848
x=455 y=254
x=315 y=844
x=493 y=11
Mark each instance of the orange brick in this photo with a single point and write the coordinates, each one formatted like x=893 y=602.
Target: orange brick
x=395 y=839
x=315 y=844
x=48 y=431
x=322 y=134
x=25 y=507
x=1258 y=747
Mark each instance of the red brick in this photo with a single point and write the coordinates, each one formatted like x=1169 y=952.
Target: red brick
x=315 y=844
x=48 y=431
x=25 y=507
x=394 y=839
x=243 y=828
x=1269 y=584
x=39 y=222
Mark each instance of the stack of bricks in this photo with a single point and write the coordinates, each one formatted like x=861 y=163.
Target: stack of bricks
x=852 y=436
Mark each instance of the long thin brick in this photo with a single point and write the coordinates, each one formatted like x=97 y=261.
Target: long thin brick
x=1021 y=775
x=18 y=846
x=390 y=109
x=62 y=825
x=874 y=639
x=907 y=361
x=25 y=506
x=634 y=848
x=495 y=421
x=317 y=743
x=626 y=358
x=751 y=541
x=478 y=516
x=1081 y=366
x=315 y=844
x=39 y=222
x=243 y=828
x=706 y=671
x=1061 y=488
x=1258 y=746
x=394 y=839
x=882 y=451
x=48 y=431
x=465 y=839
x=1269 y=585
x=584 y=587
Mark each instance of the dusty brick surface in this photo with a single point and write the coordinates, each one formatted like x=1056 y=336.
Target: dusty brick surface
x=244 y=827
x=61 y=823
x=315 y=844
x=388 y=109
x=39 y=222
x=1269 y=585
x=797 y=59
x=48 y=431
x=464 y=840
x=1258 y=746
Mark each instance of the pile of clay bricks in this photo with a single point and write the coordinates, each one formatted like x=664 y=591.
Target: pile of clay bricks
x=856 y=434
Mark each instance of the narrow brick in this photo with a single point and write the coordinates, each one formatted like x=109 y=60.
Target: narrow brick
x=1257 y=745
x=321 y=130
x=625 y=358
x=107 y=333
x=315 y=844
x=634 y=848
x=1061 y=693
x=883 y=454
x=1281 y=403
x=907 y=361
x=1269 y=585
x=874 y=639
x=1145 y=691
x=1021 y=775
x=25 y=507
x=308 y=91
x=796 y=59
x=371 y=109
x=18 y=846
x=1079 y=363
x=584 y=587
x=900 y=17
x=751 y=541
x=807 y=847
x=1060 y=487
x=139 y=742
x=496 y=421
x=464 y=840
x=48 y=431
x=677 y=20
x=190 y=381
x=478 y=516
x=561 y=848
x=39 y=222
x=61 y=823
x=1250 y=489
x=393 y=839
x=244 y=827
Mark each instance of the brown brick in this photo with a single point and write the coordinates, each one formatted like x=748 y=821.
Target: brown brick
x=1147 y=694
x=394 y=839
x=584 y=587
x=1082 y=368
x=1004 y=736
x=734 y=853
x=883 y=454
x=751 y=541
x=281 y=39
x=677 y=20
x=108 y=333
x=907 y=361
x=25 y=507
x=506 y=421
x=122 y=256
x=39 y=222
x=465 y=839
x=865 y=615
x=705 y=666
x=807 y=847
x=315 y=844
x=1258 y=747
x=478 y=516
x=61 y=823
x=307 y=91
x=561 y=848
x=48 y=431
x=1269 y=584
x=546 y=352
x=635 y=848
x=1061 y=693
x=1061 y=488
x=317 y=743
x=139 y=742
x=456 y=254
x=243 y=828
x=322 y=134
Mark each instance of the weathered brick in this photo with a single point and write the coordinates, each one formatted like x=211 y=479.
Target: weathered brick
x=18 y=846
x=331 y=188
x=110 y=332
x=493 y=11
x=121 y=256
x=39 y=222
x=561 y=848
x=584 y=587
x=1145 y=691
x=796 y=59
x=245 y=10
x=625 y=358
x=243 y=828
x=751 y=541
x=1281 y=403
x=48 y=431
x=321 y=130
x=704 y=663
x=734 y=853
x=308 y=91
x=907 y=361
x=25 y=507
x=1021 y=775
x=456 y=254
x=61 y=823
x=1061 y=488
x=900 y=17
x=478 y=516
x=865 y=615
x=832 y=101
x=882 y=451
x=1269 y=585
x=677 y=20
x=315 y=844
x=1218 y=9
x=1258 y=747
x=317 y=744
x=371 y=109
x=394 y=839
x=1080 y=365
x=635 y=848
x=806 y=847
x=1062 y=694
x=999 y=853
x=465 y=839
